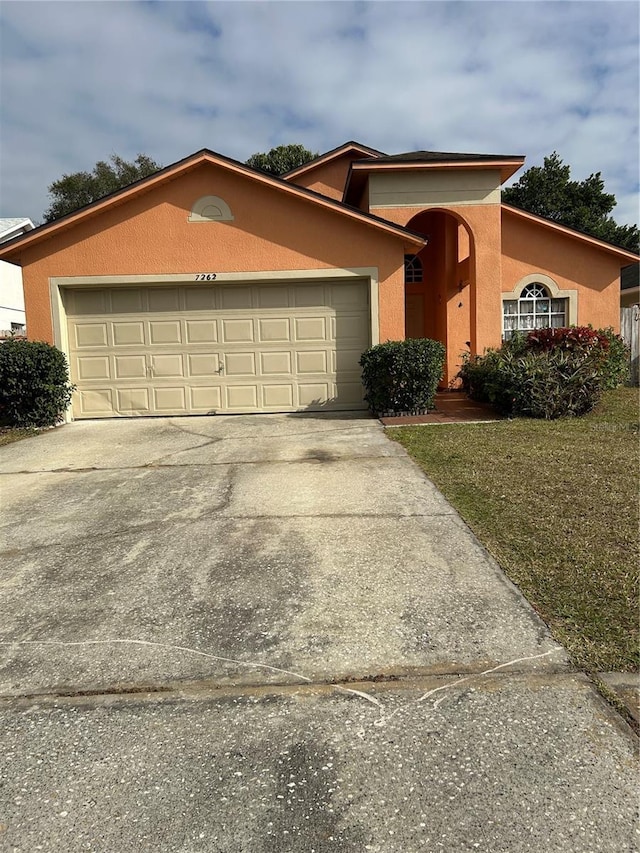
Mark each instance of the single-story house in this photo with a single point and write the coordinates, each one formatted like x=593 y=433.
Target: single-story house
x=210 y=287
x=12 y=313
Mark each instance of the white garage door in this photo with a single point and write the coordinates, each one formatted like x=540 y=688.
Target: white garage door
x=175 y=350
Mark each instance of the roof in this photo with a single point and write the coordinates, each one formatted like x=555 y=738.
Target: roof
x=508 y=164
x=333 y=154
x=168 y=173
x=444 y=157
x=571 y=232
x=11 y=224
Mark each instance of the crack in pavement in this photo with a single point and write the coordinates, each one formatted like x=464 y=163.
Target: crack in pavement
x=383 y=718
x=159 y=464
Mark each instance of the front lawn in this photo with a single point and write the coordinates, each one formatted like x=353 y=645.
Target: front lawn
x=556 y=503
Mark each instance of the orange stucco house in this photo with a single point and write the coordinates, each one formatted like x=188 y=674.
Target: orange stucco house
x=211 y=287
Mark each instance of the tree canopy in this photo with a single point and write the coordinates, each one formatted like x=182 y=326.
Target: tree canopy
x=73 y=191
x=584 y=205
x=281 y=159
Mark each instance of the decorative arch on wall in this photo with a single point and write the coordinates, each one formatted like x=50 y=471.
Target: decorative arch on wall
x=210 y=208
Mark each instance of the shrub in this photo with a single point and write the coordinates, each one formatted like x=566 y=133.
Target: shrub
x=402 y=376
x=616 y=367
x=34 y=384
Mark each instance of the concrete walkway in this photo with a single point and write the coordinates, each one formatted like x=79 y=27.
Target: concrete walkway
x=273 y=634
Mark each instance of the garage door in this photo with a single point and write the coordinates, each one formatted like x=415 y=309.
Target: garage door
x=175 y=350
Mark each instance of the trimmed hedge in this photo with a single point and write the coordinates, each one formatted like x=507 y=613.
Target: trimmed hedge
x=34 y=384
x=401 y=377
x=550 y=373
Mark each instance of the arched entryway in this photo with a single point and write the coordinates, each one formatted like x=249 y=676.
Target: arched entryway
x=440 y=286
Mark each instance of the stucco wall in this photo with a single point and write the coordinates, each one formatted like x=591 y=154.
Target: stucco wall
x=327 y=178
x=272 y=230
x=529 y=247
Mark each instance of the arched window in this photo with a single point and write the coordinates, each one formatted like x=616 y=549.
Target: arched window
x=534 y=309
x=412 y=269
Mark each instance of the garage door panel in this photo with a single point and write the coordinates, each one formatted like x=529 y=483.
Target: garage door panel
x=278 y=396
x=242 y=397
x=310 y=328
x=93 y=367
x=237 y=331
x=133 y=400
x=89 y=302
x=203 y=364
x=217 y=348
x=169 y=399
x=273 y=297
x=127 y=334
x=206 y=398
x=95 y=403
x=126 y=301
x=130 y=366
x=201 y=331
x=309 y=296
x=165 y=332
x=199 y=298
x=240 y=364
x=313 y=361
x=164 y=299
x=235 y=298
x=167 y=365
x=313 y=393
x=274 y=329
x=275 y=362
x=89 y=335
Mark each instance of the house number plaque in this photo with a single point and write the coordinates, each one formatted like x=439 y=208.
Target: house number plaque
x=206 y=276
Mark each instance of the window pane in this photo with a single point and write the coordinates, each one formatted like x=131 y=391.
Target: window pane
x=557 y=321
x=526 y=306
x=542 y=322
x=542 y=306
x=557 y=306
x=526 y=321
x=511 y=322
x=510 y=306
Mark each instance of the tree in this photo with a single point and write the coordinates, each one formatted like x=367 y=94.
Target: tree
x=584 y=205
x=281 y=159
x=73 y=191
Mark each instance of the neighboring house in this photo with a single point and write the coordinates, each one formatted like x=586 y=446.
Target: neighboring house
x=630 y=286
x=12 y=316
x=212 y=287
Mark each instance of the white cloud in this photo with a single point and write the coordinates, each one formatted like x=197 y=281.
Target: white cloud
x=82 y=80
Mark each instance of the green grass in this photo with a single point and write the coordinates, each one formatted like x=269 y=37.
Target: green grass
x=8 y=435
x=556 y=503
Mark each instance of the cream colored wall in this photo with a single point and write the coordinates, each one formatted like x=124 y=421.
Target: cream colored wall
x=428 y=188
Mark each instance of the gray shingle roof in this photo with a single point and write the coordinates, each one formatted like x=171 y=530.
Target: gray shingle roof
x=440 y=157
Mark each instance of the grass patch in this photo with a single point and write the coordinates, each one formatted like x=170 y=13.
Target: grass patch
x=9 y=435
x=556 y=503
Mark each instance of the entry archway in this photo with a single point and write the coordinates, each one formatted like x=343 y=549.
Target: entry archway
x=441 y=305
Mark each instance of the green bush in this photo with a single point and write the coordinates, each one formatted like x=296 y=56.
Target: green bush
x=550 y=373
x=34 y=384
x=616 y=367
x=401 y=377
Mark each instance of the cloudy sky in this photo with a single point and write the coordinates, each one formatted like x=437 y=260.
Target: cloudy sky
x=82 y=80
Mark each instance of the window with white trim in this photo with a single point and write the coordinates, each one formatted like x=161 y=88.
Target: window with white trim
x=535 y=309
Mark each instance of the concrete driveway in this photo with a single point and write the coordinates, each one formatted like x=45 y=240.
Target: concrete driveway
x=271 y=633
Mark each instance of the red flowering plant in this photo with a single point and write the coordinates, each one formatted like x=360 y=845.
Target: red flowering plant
x=572 y=338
